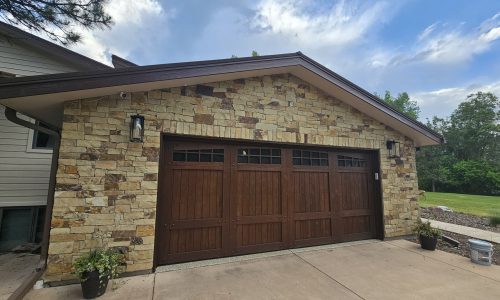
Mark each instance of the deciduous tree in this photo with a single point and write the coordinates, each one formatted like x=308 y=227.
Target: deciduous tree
x=403 y=103
x=469 y=161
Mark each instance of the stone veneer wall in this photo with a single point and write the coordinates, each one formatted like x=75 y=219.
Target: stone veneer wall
x=106 y=186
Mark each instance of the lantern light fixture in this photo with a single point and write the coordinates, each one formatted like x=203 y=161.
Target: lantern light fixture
x=394 y=148
x=136 y=128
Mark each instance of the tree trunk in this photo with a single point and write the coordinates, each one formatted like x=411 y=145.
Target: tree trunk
x=433 y=185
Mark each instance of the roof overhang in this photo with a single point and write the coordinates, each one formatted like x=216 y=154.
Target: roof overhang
x=42 y=97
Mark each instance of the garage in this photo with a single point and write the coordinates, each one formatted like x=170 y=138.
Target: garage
x=188 y=161
x=221 y=198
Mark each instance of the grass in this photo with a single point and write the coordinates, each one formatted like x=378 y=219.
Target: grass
x=486 y=206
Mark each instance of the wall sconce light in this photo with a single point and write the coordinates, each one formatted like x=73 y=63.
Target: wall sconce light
x=394 y=149
x=136 y=128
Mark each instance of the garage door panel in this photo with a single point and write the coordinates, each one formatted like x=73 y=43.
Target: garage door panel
x=357 y=224
x=195 y=239
x=192 y=256
x=197 y=194
x=311 y=192
x=259 y=207
x=312 y=211
x=354 y=193
x=258 y=193
x=313 y=229
x=259 y=234
x=354 y=190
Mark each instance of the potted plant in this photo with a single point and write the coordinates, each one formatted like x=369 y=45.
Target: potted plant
x=94 y=270
x=427 y=235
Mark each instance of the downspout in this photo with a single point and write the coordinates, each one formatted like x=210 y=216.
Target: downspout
x=11 y=115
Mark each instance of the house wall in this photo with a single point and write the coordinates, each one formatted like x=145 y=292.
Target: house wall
x=23 y=60
x=106 y=186
x=24 y=172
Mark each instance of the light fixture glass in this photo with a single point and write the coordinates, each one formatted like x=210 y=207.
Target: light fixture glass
x=394 y=148
x=136 y=128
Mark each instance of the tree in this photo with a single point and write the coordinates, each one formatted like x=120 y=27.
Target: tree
x=56 y=18
x=402 y=103
x=469 y=161
x=433 y=161
x=474 y=129
x=254 y=53
x=475 y=177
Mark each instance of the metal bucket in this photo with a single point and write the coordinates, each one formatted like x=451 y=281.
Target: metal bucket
x=481 y=252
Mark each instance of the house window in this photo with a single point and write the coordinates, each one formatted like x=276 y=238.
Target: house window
x=42 y=140
x=310 y=158
x=199 y=155
x=264 y=156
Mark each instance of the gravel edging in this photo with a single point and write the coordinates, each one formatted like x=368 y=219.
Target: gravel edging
x=437 y=214
x=463 y=248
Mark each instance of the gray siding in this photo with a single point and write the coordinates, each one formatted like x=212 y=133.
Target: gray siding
x=23 y=60
x=24 y=175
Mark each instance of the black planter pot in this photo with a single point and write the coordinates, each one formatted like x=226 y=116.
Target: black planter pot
x=92 y=287
x=428 y=242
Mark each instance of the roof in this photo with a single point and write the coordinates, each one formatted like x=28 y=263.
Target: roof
x=42 y=96
x=119 y=62
x=53 y=49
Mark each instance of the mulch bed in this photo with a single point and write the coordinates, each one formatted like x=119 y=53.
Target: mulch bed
x=437 y=214
x=463 y=248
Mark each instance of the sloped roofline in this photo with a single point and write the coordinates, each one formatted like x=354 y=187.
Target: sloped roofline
x=51 y=48
x=120 y=62
x=33 y=86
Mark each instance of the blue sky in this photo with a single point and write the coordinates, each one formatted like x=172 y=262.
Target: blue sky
x=437 y=51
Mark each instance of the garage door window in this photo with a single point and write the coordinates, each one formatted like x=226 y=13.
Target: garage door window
x=259 y=156
x=309 y=158
x=350 y=162
x=199 y=155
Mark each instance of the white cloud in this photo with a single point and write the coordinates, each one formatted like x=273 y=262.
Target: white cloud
x=441 y=45
x=132 y=11
x=490 y=36
x=340 y=24
x=135 y=23
x=427 y=31
x=135 y=26
x=442 y=102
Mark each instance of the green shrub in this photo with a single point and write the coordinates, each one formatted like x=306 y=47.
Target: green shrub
x=425 y=229
x=106 y=262
x=475 y=177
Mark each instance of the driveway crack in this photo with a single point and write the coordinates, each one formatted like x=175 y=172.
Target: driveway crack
x=154 y=285
x=327 y=275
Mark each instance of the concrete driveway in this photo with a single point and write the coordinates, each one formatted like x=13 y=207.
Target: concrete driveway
x=14 y=268
x=367 y=270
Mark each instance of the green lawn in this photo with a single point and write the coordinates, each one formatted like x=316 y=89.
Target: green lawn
x=470 y=204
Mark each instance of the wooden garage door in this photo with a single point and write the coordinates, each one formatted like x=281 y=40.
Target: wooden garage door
x=221 y=199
